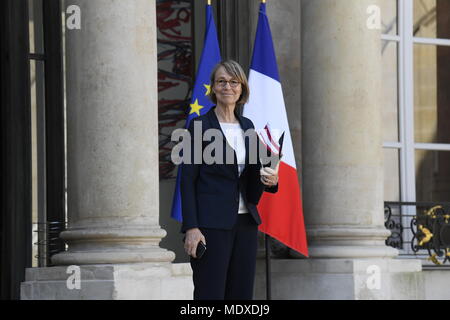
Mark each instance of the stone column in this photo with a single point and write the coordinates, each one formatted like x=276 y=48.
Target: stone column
x=342 y=146
x=342 y=165
x=112 y=136
x=112 y=151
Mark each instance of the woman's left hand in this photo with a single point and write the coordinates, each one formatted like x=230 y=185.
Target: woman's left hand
x=269 y=176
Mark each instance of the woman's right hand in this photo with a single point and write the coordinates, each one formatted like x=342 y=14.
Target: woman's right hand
x=193 y=237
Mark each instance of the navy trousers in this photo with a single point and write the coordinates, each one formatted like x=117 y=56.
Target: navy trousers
x=227 y=269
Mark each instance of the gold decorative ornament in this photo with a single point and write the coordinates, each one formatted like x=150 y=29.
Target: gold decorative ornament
x=427 y=237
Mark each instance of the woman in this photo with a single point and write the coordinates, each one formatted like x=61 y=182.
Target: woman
x=219 y=200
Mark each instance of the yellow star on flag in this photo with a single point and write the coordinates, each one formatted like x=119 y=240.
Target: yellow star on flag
x=208 y=89
x=196 y=107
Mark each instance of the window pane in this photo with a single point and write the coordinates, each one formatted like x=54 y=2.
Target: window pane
x=36 y=26
x=390 y=92
x=431 y=96
x=389 y=16
x=431 y=18
x=432 y=175
x=391 y=175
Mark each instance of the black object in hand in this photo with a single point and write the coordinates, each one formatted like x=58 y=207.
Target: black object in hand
x=201 y=248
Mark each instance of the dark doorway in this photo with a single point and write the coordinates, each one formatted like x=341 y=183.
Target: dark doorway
x=19 y=61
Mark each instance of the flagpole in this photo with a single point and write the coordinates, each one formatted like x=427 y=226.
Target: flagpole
x=268 y=278
x=267 y=244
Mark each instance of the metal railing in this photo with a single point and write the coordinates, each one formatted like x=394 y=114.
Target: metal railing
x=419 y=230
x=48 y=241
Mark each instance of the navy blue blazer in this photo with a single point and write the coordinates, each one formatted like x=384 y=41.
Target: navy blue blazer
x=210 y=192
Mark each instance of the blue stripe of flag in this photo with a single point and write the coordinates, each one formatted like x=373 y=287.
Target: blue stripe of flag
x=264 y=60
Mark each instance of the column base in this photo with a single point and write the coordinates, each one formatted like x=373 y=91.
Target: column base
x=157 y=255
x=146 y=281
x=113 y=245
x=348 y=242
x=348 y=252
x=342 y=279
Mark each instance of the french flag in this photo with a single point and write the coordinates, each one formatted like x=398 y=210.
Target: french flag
x=282 y=212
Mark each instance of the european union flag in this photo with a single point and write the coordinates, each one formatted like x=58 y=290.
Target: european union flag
x=200 y=103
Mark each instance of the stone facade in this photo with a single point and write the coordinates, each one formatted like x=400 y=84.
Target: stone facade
x=331 y=69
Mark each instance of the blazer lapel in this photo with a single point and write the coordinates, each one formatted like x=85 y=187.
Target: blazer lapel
x=214 y=122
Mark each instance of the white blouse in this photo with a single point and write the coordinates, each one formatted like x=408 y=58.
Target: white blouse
x=235 y=138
